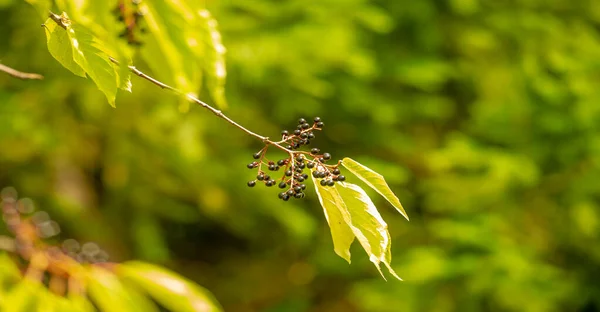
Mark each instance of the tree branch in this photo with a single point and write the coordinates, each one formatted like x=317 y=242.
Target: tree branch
x=21 y=75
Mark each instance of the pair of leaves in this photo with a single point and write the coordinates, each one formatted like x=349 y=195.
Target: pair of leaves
x=351 y=214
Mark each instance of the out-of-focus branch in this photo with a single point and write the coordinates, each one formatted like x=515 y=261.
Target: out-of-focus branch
x=21 y=75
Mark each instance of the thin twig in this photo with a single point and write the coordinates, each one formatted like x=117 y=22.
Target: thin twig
x=21 y=75
x=215 y=111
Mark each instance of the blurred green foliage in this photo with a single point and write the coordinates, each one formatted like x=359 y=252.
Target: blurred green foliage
x=483 y=116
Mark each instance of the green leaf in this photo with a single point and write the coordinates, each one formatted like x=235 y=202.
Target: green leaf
x=337 y=217
x=107 y=291
x=24 y=297
x=9 y=275
x=41 y=6
x=60 y=48
x=87 y=55
x=170 y=290
x=214 y=60
x=375 y=181
x=368 y=225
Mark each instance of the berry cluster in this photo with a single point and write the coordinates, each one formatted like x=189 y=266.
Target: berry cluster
x=128 y=13
x=294 y=167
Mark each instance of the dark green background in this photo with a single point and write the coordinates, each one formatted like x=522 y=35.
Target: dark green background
x=483 y=115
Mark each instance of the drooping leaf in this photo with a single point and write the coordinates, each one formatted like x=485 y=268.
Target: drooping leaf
x=60 y=48
x=172 y=45
x=375 y=181
x=170 y=290
x=368 y=225
x=107 y=291
x=88 y=54
x=337 y=217
x=214 y=57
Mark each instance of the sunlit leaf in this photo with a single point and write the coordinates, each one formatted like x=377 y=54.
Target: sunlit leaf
x=375 y=181
x=170 y=290
x=368 y=226
x=337 y=217
x=214 y=57
x=88 y=55
x=9 y=274
x=107 y=291
x=60 y=48
x=24 y=297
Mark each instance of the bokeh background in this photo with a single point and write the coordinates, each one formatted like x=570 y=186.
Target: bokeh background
x=483 y=115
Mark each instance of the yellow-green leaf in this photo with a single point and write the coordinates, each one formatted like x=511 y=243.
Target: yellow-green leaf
x=337 y=217
x=375 y=181
x=41 y=6
x=24 y=297
x=214 y=57
x=107 y=291
x=367 y=224
x=88 y=55
x=169 y=289
x=60 y=48
x=9 y=275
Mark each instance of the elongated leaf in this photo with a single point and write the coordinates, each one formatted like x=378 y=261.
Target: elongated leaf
x=375 y=181
x=368 y=226
x=170 y=290
x=337 y=217
x=214 y=57
x=111 y=295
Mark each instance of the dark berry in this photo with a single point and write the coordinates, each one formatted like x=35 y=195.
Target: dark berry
x=341 y=178
x=314 y=150
x=299 y=127
x=300 y=179
x=315 y=174
x=288 y=173
x=323 y=182
x=252 y=165
x=256 y=155
x=306 y=142
x=267 y=177
x=272 y=167
x=288 y=146
x=260 y=177
x=301 y=165
x=299 y=170
x=281 y=162
x=280 y=195
x=291 y=192
x=297 y=189
x=305 y=126
x=301 y=121
x=310 y=165
x=282 y=184
x=303 y=135
x=330 y=183
x=270 y=183
x=297 y=132
x=327 y=156
x=317 y=119
x=285 y=133
x=305 y=176
x=311 y=136
x=303 y=186
x=271 y=162
x=320 y=124
x=299 y=195
x=321 y=159
x=285 y=197
x=336 y=171
x=300 y=158
x=251 y=183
